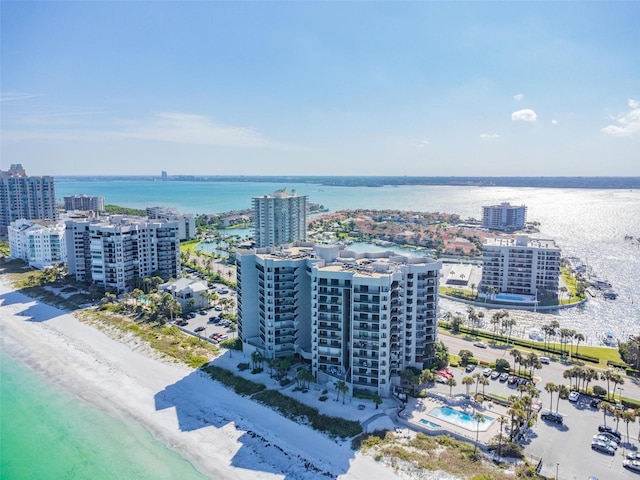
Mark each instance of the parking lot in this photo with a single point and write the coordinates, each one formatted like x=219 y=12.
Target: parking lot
x=564 y=448
x=208 y=322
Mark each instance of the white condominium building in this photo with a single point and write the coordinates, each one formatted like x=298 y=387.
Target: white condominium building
x=360 y=318
x=520 y=265
x=504 y=217
x=39 y=243
x=114 y=253
x=25 y=197
x=84 y=203
x=186 y=221
x=280 y=218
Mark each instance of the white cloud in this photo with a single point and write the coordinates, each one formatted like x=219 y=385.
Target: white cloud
x=628 y=124
x=525 y=115
x=554 y=122
x=489 y=136
x=518 y=96
x=195 y=130
x=12 y=96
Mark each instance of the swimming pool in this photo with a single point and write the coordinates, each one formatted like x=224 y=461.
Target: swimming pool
x=461 y=419
x=510 y=297
x=428 y=423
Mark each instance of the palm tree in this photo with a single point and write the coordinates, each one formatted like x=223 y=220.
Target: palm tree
x=550 y=387
x=478 y=417
x=606 y=407
x=617 y=379
x=476 y=376
x=377 y=400
x=484 y=382
x=467 y=382
x=629 y=417
x=607 y=375
x=341 y=387
x=563 y=391
x=502 y=419
x=517 y=357
x=562 y=290
x=451 y=382
x=579 y=338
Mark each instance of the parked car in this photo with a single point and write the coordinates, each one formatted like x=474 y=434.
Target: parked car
x=495 y=374
x=218 y=308
x=199 y=329
x=595 y=403
x=552 y=417
x=573 y=396
x=633 y=455
x=601 y=438
x=610 y=437
x=487 y=372
x=480 y=345
x=504 y=376
x=609 y=429
x=470 y=368
x=602 y=447
x=512 y=379
x=632 y=465
x=544 y=360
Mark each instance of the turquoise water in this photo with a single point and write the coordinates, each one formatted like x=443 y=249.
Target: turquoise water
x=428 y=423
x=47 y=434
x=461 y=419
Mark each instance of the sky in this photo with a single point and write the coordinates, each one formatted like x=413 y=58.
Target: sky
x=321 y=88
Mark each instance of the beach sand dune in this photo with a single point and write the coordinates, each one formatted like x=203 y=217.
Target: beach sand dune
x=222 y=434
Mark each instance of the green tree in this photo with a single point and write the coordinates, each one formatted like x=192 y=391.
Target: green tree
x=467 y=382
x=451 y=382
x=465 y=356
x=478 y=417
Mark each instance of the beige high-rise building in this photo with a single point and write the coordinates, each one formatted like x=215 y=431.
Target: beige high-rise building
x=280 y=218
x=21 y=196
x=362 y=318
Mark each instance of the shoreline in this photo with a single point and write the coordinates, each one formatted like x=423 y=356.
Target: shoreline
x=223 y=435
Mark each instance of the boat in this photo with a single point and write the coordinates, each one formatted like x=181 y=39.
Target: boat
x=609 y=339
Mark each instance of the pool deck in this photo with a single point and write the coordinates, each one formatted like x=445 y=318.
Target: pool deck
x=419 y=408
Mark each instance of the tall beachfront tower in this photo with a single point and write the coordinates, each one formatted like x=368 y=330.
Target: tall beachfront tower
x=504 y=217
x=520 y=265
x=362 y=318
x=21 y=196
x=280 y=218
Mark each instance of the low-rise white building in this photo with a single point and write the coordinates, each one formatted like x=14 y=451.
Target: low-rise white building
x=40 y=243
x=184 y=290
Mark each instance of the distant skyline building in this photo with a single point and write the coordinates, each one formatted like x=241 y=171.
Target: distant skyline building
x=40 y=243
x=504 y=216
x=163 y=176
x=358 y=317
x=21 y=196
x=520 y=265
x=280 y=218
x=113 y=253
x=84 y=203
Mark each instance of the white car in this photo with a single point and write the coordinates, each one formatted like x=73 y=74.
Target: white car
x=632 y=465
x=574 y=396
x=487 y=372
x=480 y=345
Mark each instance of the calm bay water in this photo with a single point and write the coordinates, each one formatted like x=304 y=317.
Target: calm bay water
x=47 y=434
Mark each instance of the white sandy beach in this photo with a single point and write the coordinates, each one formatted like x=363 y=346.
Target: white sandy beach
x=222 y=434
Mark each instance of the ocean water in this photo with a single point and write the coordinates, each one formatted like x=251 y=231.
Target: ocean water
x=47 y=434
x=590 y=224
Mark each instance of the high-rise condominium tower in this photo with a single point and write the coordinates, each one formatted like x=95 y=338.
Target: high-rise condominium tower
x=280 y=218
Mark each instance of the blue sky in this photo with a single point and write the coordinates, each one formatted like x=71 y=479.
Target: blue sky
x=321 y=88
